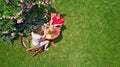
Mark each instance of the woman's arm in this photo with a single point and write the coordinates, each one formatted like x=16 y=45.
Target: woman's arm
x=51 y=22
x=57 y=24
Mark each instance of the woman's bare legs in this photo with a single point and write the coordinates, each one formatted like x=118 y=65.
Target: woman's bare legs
x=29 y=49
x=45 y=43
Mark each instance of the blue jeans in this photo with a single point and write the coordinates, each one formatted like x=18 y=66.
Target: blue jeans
x=38 y=44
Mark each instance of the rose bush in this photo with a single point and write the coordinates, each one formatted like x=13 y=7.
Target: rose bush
x=18 y=16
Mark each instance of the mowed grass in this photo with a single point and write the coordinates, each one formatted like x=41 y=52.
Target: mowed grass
x=90 y=38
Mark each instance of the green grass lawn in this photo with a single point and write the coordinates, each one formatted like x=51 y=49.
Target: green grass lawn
x=91 y=38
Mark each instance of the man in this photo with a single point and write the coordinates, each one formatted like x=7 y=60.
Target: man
x=36 y=39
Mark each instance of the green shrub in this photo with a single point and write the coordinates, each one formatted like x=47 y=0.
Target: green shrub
x=17 y=17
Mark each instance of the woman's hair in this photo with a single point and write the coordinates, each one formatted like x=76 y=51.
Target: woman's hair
x=36 y=29
x=58 y=14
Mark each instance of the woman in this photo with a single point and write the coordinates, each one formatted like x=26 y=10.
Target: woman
x=37 y=39
x=57 y=20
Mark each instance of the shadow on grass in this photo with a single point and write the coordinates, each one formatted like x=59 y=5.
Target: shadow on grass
x=60 y=37
x=52 y=10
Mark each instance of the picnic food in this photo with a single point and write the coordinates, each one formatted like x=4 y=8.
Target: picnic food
x=49 y=35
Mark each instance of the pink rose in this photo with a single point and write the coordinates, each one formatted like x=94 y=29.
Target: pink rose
x=28 y=5
x=11 y=17
x=21 y=6
x=33 y=3
x=6 y=32
x=19 y=13
x=19 y=21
